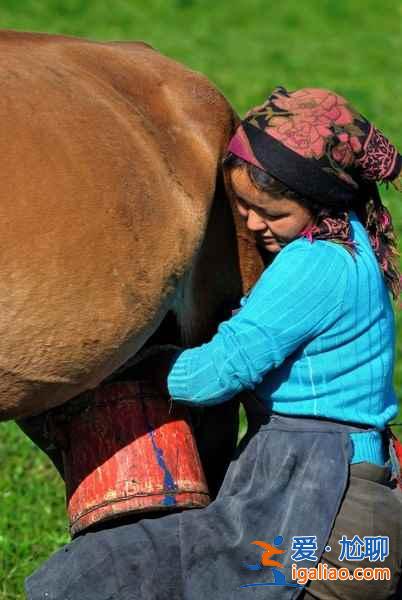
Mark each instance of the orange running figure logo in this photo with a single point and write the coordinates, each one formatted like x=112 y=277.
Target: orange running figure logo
x=270 y=550
x=267 y=561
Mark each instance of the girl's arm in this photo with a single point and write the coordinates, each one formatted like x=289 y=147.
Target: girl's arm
x=295 y=299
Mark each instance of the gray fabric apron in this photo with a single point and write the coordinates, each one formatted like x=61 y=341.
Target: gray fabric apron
x=287 y=479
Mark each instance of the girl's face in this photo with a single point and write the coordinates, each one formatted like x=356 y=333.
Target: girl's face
x=274 y=221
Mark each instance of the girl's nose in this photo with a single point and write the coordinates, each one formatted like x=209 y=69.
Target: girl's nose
x=254 y=222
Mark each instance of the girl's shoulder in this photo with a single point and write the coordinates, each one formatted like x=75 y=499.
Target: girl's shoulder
x=303 y=265
x=318 y=252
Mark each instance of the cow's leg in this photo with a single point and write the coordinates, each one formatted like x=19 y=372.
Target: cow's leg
x=36 y=428
x=216 y=431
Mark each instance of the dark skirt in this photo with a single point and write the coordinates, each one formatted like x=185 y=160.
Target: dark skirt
x=287 y=481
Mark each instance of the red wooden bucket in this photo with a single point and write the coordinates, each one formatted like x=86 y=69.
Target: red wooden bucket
x=126 y=450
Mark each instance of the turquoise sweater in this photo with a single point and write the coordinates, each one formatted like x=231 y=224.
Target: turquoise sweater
x=315 y=337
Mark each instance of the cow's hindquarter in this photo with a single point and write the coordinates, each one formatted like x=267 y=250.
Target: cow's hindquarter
x=110 y=155
x=79 y=228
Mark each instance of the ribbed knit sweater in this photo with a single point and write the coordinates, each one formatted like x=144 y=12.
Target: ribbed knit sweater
x=314 y=337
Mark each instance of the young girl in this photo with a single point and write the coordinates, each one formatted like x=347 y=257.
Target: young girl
x=315 y=342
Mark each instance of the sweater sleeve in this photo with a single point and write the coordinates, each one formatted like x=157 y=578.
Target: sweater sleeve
x=295 y=299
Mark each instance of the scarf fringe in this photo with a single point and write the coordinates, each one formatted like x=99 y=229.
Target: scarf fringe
x=378 y=224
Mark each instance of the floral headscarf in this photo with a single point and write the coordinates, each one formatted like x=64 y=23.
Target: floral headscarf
x=317 y=144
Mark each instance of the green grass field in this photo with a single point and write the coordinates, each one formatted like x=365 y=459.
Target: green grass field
x=246 y=47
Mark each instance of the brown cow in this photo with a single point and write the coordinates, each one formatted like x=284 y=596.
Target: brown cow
x=111 y=212
x=114 y=215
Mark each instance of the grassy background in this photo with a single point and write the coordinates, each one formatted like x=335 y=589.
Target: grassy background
x=246 y=47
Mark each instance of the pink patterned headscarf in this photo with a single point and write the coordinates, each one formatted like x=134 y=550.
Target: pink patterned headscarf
x=317 y=144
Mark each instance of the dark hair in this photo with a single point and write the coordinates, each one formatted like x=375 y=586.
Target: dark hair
x=264 y=182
